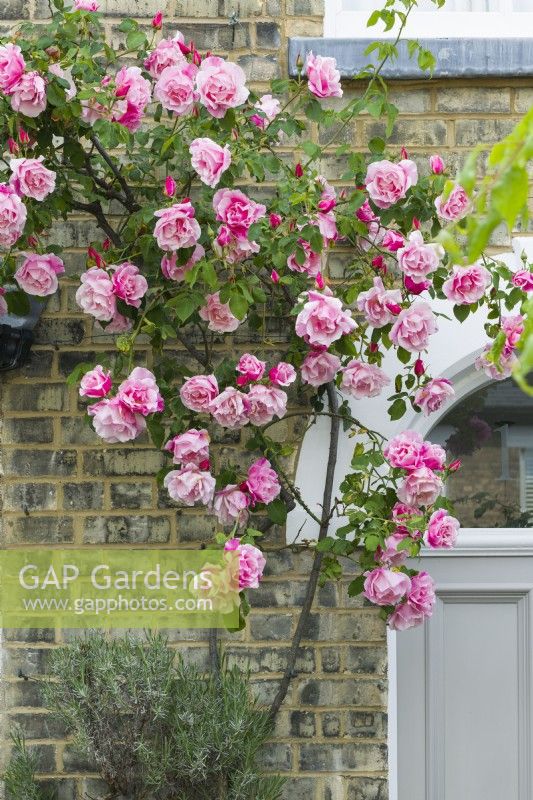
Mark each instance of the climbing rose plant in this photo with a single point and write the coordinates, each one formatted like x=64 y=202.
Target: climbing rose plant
x=209 y=232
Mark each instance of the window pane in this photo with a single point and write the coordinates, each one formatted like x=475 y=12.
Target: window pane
x=491 y=432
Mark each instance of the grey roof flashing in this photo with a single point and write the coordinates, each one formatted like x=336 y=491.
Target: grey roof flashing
x=456 y=58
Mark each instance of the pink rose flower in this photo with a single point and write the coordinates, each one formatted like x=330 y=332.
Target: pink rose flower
x=191 y=447
x=322 y=319
x=392 y=241
x=176 y=226
x=176 y=272
x=409 y=451
x=376 y=304
x=327 y=226
x=270 y=106
x=233 y=249
x=230 y=408
x=175 y=88
x=417 y=259
x=467 y=285
x=324 y=79
x=265 y=403
x=250 y=368
x=432 y=396
x=96 y=383
x=209 y=160
x=319 y=367
x=140 y=393
x=365 y=213
x=96 y=296
x=523 y=278
x=28 y=95
x=385 y=587
x=237 y=211
x=421 y=595
x=190 y=485
x=436 y=164
x=198 y=392
x=413 y=327
x=221 y=85
x=387 y=183
x=420 y=488
x=282 y=374
x=405 y=616
x=262 y=482
x=12 y=216
x=129 y=284
x=3 y=304
x=119 y=324
x=85 y=5
x=390 y=556
x=12 y=66
x=499 y=371
x=231 y=506
x=114 y=422
x=251 y=564
x=134 y=93
x=312 y=261
x=405 y=450
x=513 y=327
x=66 y=74
x=456 y=206
x=363 y=380
x=167 y=53
x=442 y=530
x=37 y=274
x=219 y=315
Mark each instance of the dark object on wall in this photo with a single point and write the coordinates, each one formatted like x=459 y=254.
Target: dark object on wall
x=16 y=336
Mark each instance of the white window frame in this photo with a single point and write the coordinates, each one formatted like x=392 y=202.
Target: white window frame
x=435 y=24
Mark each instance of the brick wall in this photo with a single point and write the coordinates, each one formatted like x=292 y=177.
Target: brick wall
x=60 y=485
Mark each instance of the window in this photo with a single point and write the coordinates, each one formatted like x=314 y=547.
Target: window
x=459 y=18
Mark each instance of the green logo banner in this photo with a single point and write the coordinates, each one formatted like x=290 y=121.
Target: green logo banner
x=105 y=587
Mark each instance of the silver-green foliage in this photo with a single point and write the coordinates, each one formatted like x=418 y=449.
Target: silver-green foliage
x=156 y=727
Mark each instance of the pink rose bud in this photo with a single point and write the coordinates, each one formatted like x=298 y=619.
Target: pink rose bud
x=455 y=465
x=320 y=282
x=299 y=62
x=105 y=81
x=95 y=256
x=185 y=49
x=328 y=204
x=419 y=367
x=373 y=347
x=275 y=220
x=379 y=263
x=24 y=137
x=170 y=186
x=416 y=223
x=33 y=241
x=343 y=194
x=413 y=287
x=197 y=58
x=274 y=276
x=298 y=170
x=437 y=165
x=157 y=21
x=259 y=122
x=394 y=308
x=13 y=146
x=106 y=244
x=404 y=153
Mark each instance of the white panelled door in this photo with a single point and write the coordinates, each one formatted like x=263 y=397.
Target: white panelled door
x=465 y=680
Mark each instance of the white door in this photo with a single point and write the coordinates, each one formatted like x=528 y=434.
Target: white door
x=464 y=680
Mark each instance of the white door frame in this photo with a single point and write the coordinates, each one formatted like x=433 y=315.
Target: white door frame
x=471 y=542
